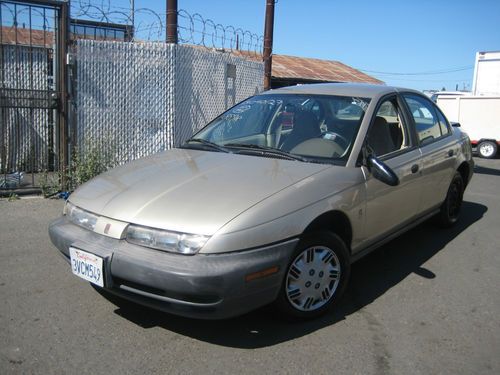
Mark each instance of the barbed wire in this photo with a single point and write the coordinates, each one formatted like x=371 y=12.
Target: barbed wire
x=150 y=25
x=197 y=30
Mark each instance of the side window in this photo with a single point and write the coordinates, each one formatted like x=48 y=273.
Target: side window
x=387 y=133
x=427 y=124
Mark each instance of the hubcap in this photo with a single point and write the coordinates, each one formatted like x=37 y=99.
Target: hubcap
x=486 y=149
x=312 y=278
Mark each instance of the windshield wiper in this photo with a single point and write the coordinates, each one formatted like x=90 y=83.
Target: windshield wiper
x=269 y=150
x=204 y=142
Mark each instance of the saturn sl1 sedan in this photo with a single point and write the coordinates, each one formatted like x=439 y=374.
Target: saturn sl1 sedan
x=271 y=202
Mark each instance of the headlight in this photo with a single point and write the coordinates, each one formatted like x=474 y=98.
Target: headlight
x=80 y=217
x=163 y=240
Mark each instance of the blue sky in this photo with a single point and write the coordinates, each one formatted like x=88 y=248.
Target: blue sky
x=389 y=36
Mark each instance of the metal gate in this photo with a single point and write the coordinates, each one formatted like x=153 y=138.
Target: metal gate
x=33 y=99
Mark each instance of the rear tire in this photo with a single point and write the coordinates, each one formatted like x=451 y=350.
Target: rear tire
x=316 y=277
x=450 y=209
x=487 y=149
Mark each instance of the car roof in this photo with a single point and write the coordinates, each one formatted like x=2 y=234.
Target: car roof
x=363 y=90
x=452 y=93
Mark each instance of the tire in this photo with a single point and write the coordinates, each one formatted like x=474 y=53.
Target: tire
x=450 y=209
x=487 y=149
x=316 y=276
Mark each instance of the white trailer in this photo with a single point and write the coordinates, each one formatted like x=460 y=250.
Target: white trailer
x=479 y=116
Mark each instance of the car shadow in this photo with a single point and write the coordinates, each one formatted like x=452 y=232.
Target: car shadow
x=371 y=277
x=485 y=170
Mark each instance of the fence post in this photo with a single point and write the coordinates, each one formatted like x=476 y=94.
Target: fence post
x=62 y=75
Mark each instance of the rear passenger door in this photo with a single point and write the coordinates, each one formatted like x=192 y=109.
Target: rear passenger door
x=438 y=150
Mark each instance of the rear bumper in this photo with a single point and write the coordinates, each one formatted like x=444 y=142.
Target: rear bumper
x=200 y=286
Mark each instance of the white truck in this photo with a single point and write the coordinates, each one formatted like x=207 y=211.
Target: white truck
x=486 y=81
x=479 y=113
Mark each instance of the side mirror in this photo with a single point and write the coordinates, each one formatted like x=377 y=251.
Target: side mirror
x=455 y=124
x=382 y=171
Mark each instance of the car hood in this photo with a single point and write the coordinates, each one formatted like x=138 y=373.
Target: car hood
x=189 y=191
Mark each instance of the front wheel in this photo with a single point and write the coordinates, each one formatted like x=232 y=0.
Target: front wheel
x=487 y=149
x=450 y=209
x=316 y=277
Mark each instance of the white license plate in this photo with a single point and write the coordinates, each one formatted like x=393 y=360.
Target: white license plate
x=87 y=266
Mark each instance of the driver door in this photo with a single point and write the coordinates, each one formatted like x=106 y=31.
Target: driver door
x=390 y=139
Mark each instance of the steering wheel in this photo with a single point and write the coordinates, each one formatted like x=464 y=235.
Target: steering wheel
x=318 y=147
x=337 y=138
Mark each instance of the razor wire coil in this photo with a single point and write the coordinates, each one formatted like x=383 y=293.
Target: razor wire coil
x=150 y=25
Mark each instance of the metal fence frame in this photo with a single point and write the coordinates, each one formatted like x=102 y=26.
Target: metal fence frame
x=24 y=97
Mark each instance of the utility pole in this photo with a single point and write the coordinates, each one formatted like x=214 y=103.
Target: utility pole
x=172 y=21
x=132 y=13
x=268 y=43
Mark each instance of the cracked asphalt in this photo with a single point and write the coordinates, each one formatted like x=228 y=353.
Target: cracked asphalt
x=426 y=303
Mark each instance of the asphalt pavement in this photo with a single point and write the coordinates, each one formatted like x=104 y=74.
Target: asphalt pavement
x=425 y=303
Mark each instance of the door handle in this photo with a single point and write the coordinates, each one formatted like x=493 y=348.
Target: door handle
x=450 y=153
x=414 y=168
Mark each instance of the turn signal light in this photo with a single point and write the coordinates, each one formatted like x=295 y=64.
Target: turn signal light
x=261 y=274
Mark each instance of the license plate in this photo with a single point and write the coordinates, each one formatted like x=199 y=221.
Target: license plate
x=87 y=266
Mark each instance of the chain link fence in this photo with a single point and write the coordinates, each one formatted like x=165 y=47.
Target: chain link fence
x=207 y=83
x=135 y=99
x=123 y=98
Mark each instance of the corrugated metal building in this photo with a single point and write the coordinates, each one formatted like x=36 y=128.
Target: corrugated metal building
x=292 y=70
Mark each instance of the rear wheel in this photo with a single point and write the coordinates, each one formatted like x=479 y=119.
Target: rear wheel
x=316 y=277
x=487 y=149
x=450 y=209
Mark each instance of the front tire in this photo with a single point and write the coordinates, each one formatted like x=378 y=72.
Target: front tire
x=316 y=277
x=450 y=209
x=487 y=149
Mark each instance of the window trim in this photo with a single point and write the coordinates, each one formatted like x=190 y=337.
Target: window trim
x=447 y=123
x=410 y=129
x=412 y=118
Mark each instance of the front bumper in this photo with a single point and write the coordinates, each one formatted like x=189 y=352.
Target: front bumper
x=200 y=286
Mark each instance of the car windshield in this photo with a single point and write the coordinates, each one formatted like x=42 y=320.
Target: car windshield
x=312 y=128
